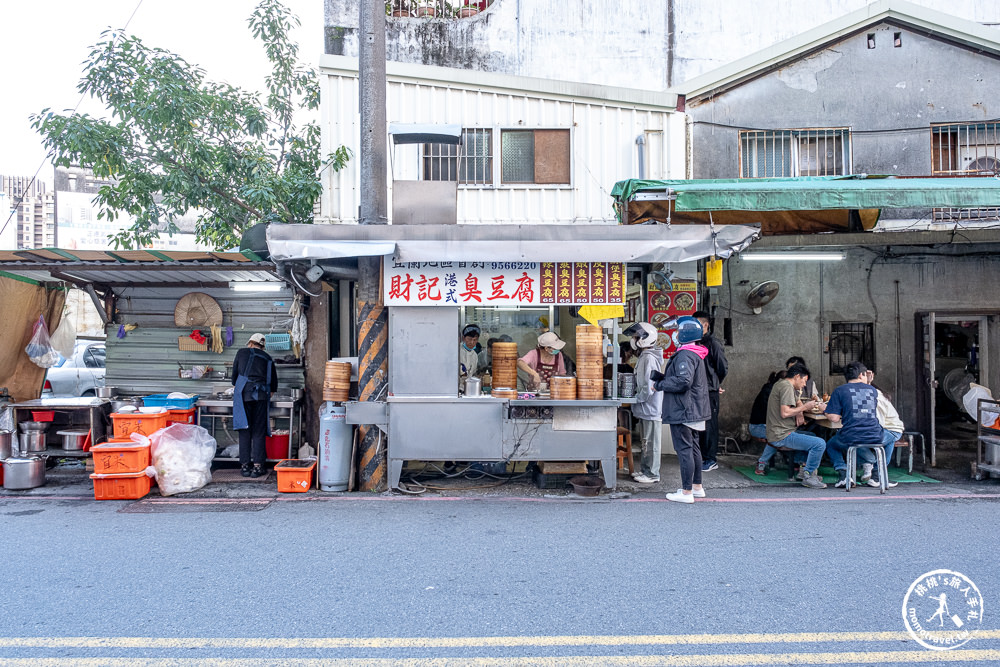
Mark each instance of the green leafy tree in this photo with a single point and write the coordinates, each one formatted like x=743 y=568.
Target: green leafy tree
x=176 y=141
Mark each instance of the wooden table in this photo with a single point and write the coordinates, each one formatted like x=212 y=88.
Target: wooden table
x=820 y=418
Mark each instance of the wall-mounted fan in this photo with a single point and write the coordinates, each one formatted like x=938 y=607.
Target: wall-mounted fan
x=985 y=163
x=762 y=294
x=662 y=277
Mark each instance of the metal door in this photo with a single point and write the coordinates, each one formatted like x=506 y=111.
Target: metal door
x=931 y=383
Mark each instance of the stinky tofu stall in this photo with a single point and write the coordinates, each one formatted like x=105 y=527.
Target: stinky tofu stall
x=437 y=278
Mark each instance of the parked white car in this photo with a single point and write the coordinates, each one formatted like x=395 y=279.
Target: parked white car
x=79 y=375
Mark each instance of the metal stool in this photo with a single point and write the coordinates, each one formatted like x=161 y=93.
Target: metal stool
x=909 y=436
x=852 y=465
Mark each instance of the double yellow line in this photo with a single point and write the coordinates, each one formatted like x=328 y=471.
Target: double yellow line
x=496 y=644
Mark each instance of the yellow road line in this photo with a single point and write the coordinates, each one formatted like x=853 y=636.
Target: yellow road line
x=721 y=660
x=459 y=642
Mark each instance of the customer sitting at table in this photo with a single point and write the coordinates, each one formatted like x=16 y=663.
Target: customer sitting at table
x=543 y=362
x=758 y=420
x=855 y=405
x=809 y=390
x=784 y=412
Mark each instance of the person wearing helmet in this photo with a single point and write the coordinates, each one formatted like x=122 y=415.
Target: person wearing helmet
x=716 y=368
x=648 y=406
x=468 y=351
x=685 y=406
x=544 y=361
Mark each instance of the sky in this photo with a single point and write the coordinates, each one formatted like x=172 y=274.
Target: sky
x=44 y=42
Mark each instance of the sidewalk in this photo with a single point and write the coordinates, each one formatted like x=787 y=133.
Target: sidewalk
x=73 y=483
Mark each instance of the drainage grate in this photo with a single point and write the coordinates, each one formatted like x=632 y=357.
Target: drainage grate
x=185 y=506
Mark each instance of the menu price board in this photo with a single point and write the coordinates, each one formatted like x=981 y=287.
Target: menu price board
x=682 y=300
x=502 y=283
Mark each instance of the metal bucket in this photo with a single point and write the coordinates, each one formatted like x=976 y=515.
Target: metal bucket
x=23 y=472
x=6 y=444
x=32 y=441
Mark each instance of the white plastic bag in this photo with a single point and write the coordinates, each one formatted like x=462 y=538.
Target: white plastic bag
x=182 y=458
x=971 y=403
x=63 y=339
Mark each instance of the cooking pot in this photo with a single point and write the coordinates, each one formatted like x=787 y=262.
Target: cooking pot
x=5 y=444
x=25 y=472
x=32 y=426
x=118 y=403
x=473 y=387
x=295 y=393
x=74 y=439
x=106 y=392
x=32 y=441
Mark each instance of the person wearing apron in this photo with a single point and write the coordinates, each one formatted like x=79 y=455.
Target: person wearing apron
x=255 y=378
x=544 y=361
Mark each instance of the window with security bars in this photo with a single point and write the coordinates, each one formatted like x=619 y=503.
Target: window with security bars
x=965 y=149
x=469 y=164
x=539 y=157
x=784 y=153
x=851 y=341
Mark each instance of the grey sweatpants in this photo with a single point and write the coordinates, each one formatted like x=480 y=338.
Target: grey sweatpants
x=651 y=436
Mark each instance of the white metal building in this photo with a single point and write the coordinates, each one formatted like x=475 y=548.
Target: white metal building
x=534 y=150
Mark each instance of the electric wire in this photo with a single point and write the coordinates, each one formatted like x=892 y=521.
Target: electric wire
x=83 y=96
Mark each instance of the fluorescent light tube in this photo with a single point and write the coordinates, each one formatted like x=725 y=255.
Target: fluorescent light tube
x=793 y=256
x=270 y=286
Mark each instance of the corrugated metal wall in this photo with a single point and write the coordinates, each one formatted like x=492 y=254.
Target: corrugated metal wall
x=603 y=148
x=146 y=360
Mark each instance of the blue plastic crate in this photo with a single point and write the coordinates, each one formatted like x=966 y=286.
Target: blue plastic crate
x=161 y=401
x=277 y=342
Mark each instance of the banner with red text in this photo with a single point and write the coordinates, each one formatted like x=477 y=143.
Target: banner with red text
x=502 y=283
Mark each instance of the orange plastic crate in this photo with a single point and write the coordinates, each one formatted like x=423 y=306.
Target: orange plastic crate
x=129 y=486
x=294 y=480
x=133 y=422
x=180 y=416
x=120 y=457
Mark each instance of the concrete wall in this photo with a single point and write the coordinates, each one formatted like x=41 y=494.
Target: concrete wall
x=861 y=288
x=887 y=96
x=658 y=43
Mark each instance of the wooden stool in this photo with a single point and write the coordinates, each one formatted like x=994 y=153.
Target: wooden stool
x=625 y=449
x=787 y=454
x=852 y=465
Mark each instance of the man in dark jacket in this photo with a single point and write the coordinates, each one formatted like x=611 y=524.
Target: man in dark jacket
x=716 y=368
x=685 y=406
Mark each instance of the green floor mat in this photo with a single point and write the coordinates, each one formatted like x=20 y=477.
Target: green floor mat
x=779 y=475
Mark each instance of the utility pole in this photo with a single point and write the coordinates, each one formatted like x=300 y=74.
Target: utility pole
x=372 y=317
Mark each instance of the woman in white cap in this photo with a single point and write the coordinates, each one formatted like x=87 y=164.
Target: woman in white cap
x=255 y=378
x=544 y=361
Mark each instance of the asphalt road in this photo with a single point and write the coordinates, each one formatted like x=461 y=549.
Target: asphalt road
x=376 y=580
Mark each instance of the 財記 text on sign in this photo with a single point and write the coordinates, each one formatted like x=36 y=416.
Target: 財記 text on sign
x=503 y=283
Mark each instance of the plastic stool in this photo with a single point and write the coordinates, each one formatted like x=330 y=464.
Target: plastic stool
x=852 y=465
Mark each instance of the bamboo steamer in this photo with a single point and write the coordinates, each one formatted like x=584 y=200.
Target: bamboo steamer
x=337 y=381
x=562 y=388
x=504 y=392
x=589 y=390
x=589 y=353
x=504 y=365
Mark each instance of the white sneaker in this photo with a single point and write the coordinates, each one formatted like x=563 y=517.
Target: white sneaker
x=874 y=484
x=697 y=493
x=644 y=479
x=866 y=472
x=681 y=497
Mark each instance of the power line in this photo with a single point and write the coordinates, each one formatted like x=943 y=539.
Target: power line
x=77 y=106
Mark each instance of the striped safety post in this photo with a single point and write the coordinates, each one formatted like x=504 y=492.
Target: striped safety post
x=373 y=365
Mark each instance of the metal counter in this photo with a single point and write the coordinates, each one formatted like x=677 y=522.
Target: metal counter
x=89 y=413
x=449 y=428
x=213 y=409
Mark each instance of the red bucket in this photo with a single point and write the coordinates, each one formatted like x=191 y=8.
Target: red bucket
x=276 y=446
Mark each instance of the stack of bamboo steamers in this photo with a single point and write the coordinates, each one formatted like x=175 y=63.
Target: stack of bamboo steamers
x=504 y=370
x=337 y=381
x=589 y=362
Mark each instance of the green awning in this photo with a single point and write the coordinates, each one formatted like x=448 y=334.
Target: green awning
x=815 y=193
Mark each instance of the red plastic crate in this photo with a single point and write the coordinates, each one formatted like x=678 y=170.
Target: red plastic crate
x=115 y=458
x=43 y=415
x=134 y=422
x=130 y=486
